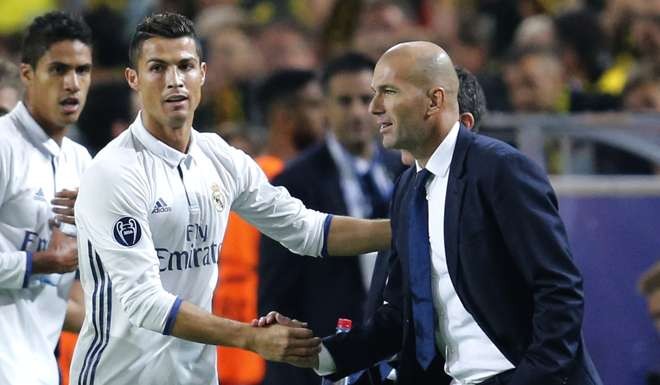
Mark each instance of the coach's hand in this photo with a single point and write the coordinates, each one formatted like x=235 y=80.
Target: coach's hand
x=63 y=206
x=293 y=345
x=274 y=317
x=61 y=256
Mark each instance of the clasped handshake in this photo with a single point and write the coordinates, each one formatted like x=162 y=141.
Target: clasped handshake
x=288 y=341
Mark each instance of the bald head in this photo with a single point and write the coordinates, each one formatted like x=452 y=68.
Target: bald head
x=415 y=97
x=424 y=64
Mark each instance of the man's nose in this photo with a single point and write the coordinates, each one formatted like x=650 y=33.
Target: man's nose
x=173 y=78
x=72 y=81
x=376 y=106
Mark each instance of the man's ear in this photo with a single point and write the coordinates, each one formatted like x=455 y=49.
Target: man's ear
x=436 y=102
x=27 y=73
x=467 y=119
x=202 y=68
x=132 y=78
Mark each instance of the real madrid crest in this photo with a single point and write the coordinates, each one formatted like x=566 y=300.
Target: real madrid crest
x=218 y=198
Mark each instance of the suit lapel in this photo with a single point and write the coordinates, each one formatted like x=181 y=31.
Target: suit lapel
x=454 y=200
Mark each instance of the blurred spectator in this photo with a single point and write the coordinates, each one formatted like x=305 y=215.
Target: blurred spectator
x=310 y=14
x=233 y=62
x=645 y=29
x=10 y=86
x=290 y=101
x=382 y=24
x=642 y=91
x=285 y=45
x=536 y=82
x=582 y=49
x=649 y=286
x=536 y=31
x=473 y=43
x=347 y=174
x=213 y=19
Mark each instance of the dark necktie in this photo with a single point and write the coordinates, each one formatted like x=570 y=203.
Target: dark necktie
x=379 y=204
x=420 y=272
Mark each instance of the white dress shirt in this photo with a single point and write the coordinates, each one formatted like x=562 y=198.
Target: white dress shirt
x=470 y=356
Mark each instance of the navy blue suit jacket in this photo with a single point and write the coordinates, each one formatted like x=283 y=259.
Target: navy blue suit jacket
x=315 y=290
x=509 y=261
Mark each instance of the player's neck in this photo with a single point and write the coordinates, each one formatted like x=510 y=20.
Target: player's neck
x=53 y=131
x=176 y=137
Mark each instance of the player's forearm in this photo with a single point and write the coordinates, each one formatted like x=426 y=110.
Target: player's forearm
x=75 y=309
x=194 y=324
x=351 y=236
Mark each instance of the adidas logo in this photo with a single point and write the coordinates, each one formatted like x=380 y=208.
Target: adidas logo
x=161 y=207
x=39 y=195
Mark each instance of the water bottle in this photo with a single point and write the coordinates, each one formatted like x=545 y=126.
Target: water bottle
x=344 y=325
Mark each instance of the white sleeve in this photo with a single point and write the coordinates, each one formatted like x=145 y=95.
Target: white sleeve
x=275 y=212
x=111 y=214
x=15 y=269
x=15 y=266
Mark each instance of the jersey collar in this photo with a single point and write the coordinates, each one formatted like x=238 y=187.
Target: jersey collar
x=170 y=155
x=34 y=132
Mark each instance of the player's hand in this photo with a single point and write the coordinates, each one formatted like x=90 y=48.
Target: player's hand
x=63 y=206
x=294 y=345
x=275 y=317
x=61 y=256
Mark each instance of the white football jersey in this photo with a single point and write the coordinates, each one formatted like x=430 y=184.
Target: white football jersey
x=151 y=221
x=32 y=307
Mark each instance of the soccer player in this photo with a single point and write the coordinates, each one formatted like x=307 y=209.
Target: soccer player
x=37 y=164
x=151 y=214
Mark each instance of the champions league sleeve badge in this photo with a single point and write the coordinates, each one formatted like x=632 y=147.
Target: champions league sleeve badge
x=218 y=198
x=127 y=231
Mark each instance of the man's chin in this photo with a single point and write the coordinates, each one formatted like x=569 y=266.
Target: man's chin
x=177 y=120
x=389 y=142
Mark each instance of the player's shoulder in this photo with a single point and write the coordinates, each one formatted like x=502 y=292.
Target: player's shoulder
x=212 y=143
x=11 y=135
x=118 y=159
x=220 y=152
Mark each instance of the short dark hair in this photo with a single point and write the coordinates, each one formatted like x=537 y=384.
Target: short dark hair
x=350 y=62
x=281 y=86
x=471 y=97
x=168 y=25
x=51 y=28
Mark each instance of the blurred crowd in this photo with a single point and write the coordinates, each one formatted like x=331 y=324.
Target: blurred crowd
x=552 y=56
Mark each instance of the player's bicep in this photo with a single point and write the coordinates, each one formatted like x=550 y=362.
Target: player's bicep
x=115 y=233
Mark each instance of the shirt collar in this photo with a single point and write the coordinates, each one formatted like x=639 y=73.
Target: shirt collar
x=170 y=155
x=440 y=160
x=35 y=132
